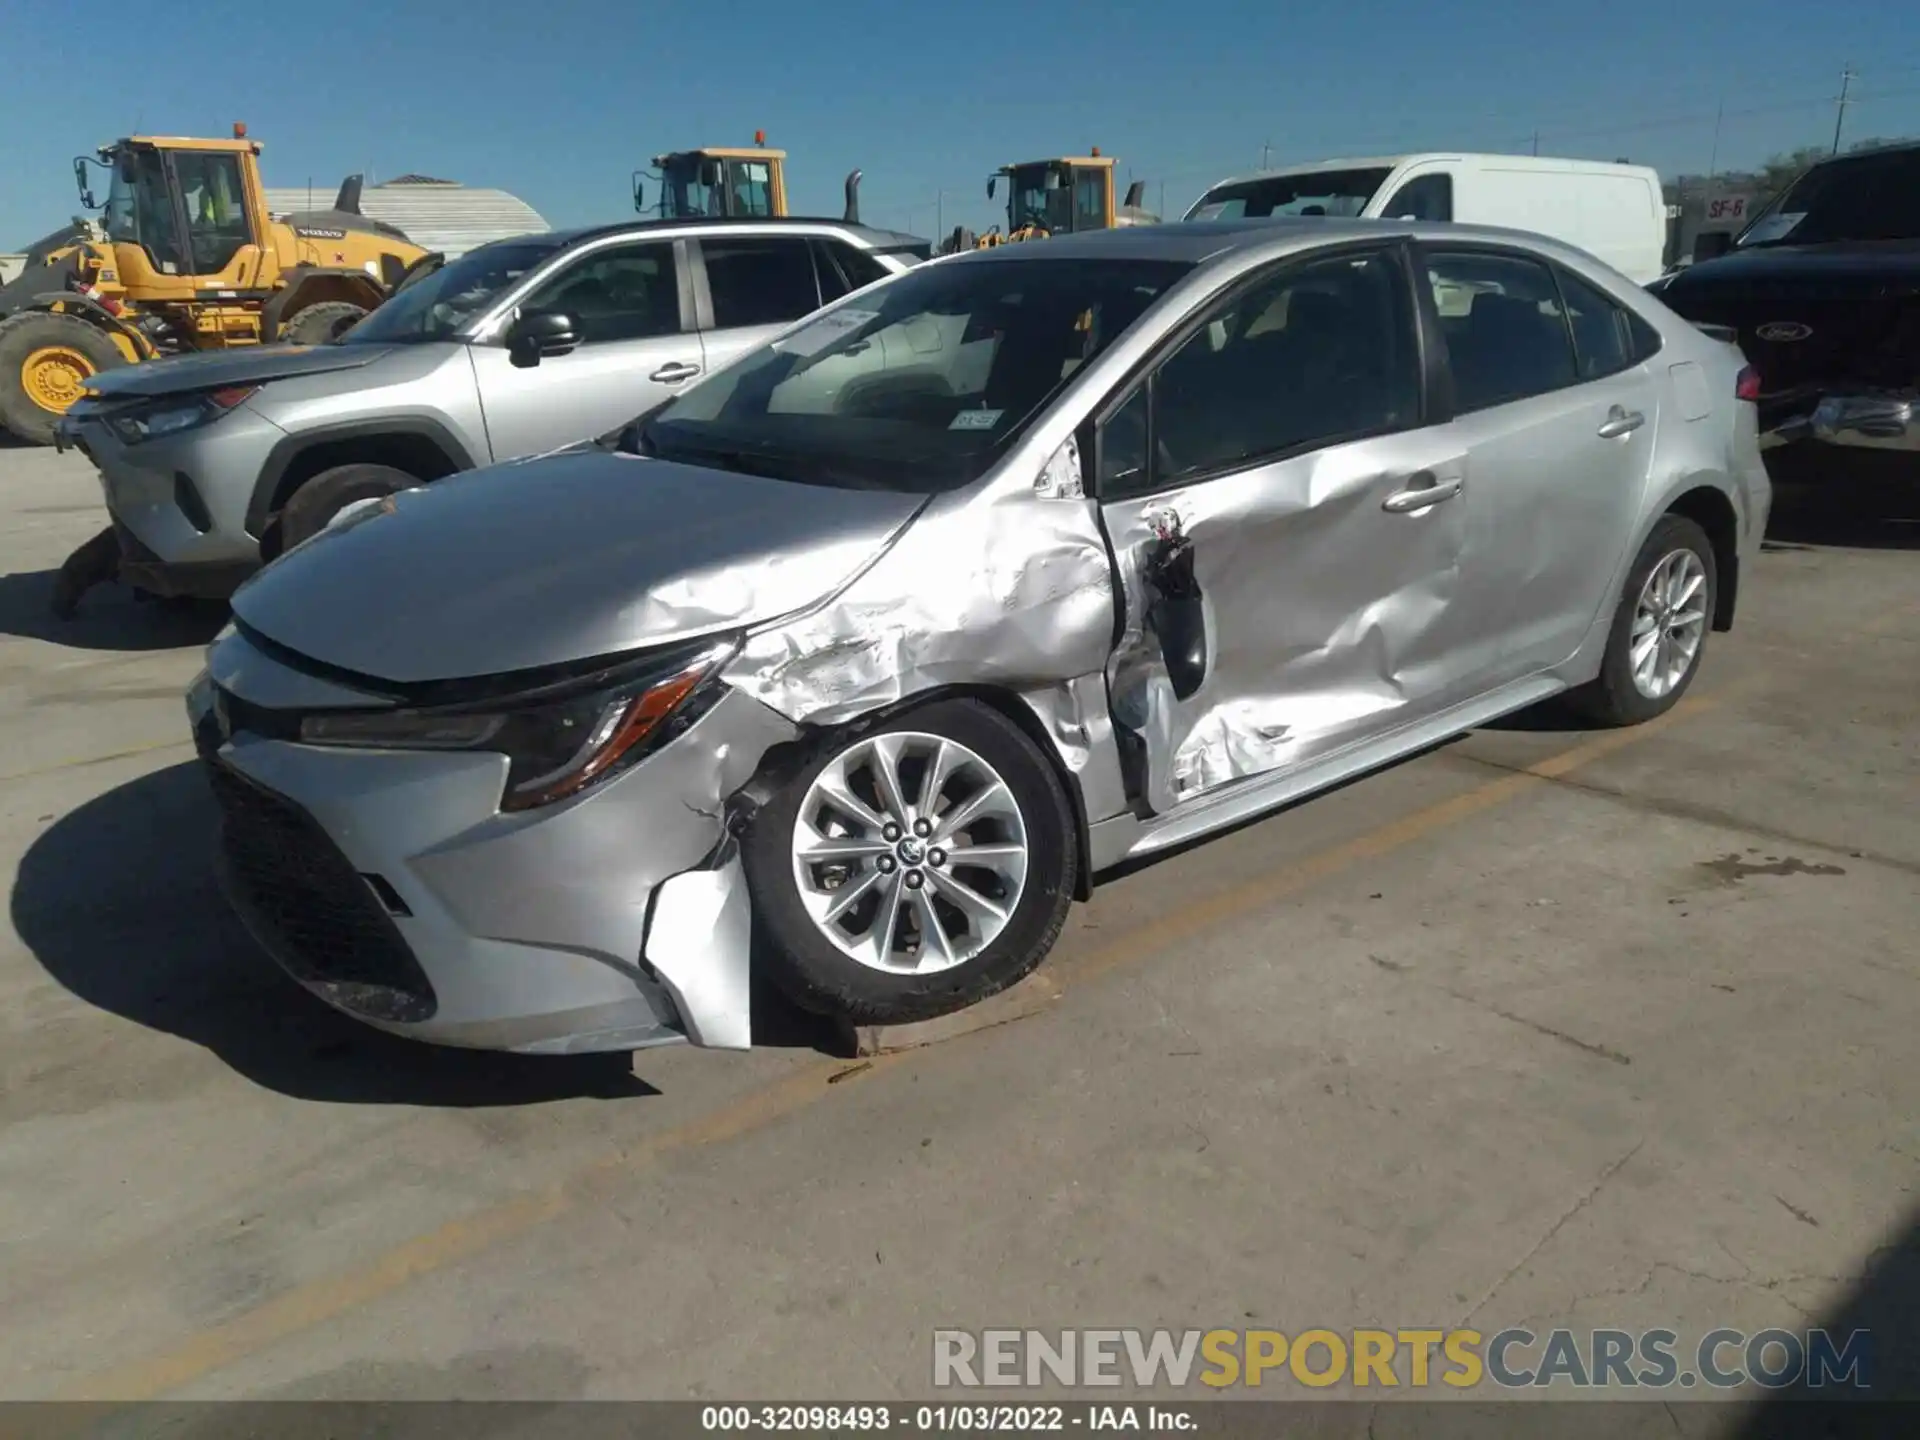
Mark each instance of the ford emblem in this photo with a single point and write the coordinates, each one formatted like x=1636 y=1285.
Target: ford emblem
x=1781 y=332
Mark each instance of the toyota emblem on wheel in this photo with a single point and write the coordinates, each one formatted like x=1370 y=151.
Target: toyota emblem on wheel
x=1783 y=331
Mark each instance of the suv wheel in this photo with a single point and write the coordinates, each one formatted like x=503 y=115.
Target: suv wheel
x=325 y=496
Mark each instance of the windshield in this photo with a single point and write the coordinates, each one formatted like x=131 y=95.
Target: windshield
x=1873 y=196
x=1337 y=193
x=682 y=192
x=1030 y=202
x=916 y=386
x=436 y=307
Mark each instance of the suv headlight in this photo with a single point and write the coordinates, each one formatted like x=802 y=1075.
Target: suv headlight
x=558 y=740
x=171 y=415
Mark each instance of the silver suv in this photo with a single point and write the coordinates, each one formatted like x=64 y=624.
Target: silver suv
x=213 y=463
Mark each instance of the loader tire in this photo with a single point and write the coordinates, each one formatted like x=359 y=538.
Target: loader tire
x=319 y=324
x=45 y=361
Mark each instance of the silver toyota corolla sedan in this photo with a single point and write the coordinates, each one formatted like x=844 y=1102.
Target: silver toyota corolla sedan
x=863 y=658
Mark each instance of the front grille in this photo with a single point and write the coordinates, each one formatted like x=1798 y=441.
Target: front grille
x=325 y=921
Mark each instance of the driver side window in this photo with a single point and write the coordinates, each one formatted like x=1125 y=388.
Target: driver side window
x=1319 y=354
x=625 y=292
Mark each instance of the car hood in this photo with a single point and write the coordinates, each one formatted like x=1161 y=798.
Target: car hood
x=1893 y=262
x=573 y=556
x=213 y=369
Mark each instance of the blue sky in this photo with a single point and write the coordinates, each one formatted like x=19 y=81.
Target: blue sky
x=560 y=101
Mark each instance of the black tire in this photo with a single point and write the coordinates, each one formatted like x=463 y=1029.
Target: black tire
x=1613 y=698
x=325 y=496
x=317 y=324
x=818 y=976
x=25 y=335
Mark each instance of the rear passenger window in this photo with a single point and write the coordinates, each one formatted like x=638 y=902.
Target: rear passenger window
x=1321 y=353
x=760 y=281
x=1507 y=337
x=1603 y=340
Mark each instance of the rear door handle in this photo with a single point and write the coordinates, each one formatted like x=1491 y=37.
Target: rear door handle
x=674 y=372
x=1621 y=422
x=1422 y=490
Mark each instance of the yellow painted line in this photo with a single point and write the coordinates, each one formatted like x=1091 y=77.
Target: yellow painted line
x=84 y=761
x=318 y=1301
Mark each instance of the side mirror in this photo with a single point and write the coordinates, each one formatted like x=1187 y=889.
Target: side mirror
x=992 y=180
x=1711 y=244
x=539 y=333
x=639 y=195
x=80 y=178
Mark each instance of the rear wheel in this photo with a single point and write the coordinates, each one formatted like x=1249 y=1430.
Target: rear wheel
x=45 y=362
x=1659 y=630
x=914 y=869
x=317 y=324
x=325 y=496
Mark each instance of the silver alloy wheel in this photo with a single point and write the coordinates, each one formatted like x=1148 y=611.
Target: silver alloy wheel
x=910 y=853
x=1669 y=622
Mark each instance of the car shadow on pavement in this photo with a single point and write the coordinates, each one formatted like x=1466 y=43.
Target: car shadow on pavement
x=1883 y=1304
x=111 y=617
x=117 y=901
x=1859 y=514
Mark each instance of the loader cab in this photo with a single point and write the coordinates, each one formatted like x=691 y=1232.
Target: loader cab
x=713 y=182
x=176 y=210
x=1059 y=196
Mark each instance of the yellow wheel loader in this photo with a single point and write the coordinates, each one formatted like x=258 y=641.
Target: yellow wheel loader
x=1058 y=196
x=720 y=181
x=183 y=256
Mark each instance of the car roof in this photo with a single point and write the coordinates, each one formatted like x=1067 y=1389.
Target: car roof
x=1206 y=242
x=562 y=239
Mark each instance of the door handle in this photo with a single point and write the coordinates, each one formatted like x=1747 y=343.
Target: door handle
x=1422 y=490
x=1621 y=422
x=674 y=371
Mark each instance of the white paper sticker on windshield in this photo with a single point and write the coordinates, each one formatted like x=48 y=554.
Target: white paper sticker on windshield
x=811 y=339
x=1772 y=227
x=976 y=419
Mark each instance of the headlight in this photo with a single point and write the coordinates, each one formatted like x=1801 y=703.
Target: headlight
x=558 y=741
x=176 y=413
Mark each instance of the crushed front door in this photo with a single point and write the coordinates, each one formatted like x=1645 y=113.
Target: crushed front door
x=1288 y=537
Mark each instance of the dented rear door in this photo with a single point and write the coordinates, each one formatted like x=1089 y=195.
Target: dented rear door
x=1288 y=535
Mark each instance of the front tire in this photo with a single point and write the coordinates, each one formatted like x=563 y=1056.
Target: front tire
x=322 y=323
x=45 y=362
x=325 y=496
x=915 y=868
x=1659 y=628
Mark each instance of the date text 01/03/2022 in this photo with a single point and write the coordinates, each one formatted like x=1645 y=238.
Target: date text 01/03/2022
x=1004 y=1419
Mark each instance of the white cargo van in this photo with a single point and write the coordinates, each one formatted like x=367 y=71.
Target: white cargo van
x=1616 y=213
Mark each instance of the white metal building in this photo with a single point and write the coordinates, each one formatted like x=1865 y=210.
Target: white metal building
x=438 y=215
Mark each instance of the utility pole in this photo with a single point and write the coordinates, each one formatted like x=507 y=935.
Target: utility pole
x=1847 y=77
x=939 y=213
x=1266 y=149
x=1536 y=141
x=1162 y=212
x=1713 y=161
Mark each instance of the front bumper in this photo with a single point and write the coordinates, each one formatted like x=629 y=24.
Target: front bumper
x=1888 y=420
x=389 y=884
x=179 y=502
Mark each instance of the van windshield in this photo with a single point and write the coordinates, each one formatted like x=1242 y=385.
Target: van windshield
x=1335 y=193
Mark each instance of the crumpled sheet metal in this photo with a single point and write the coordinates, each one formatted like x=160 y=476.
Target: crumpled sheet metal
x=1080 y=725
x=994 y=588
x=586 y=879
x=1301 y=647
